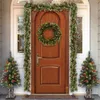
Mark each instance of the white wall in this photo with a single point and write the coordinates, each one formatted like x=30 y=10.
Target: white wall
x=94 y=35
x=19 y=57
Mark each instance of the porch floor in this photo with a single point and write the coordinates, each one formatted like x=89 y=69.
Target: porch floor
x=2 y=97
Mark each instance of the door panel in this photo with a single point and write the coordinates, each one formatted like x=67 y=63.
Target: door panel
x=50 y=72
x=46 y=75
x=46 y=51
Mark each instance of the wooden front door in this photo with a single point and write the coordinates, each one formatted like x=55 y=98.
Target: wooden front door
x=50 y=64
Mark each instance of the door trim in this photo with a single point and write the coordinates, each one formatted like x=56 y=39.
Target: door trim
x=33 y=61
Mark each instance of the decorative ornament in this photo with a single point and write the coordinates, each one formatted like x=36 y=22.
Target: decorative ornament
x=56 y=32
x=72 y=7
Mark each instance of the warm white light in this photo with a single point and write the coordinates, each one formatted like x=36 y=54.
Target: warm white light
x=19 y=1
x=50 y=1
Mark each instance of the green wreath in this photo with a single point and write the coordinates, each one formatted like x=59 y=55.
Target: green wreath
x=49 y=41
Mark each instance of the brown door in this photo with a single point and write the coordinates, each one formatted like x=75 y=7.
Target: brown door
x=50 y=73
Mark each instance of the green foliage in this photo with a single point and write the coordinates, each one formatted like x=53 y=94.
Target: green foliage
x=10 y=77
x=27 y=12
x=88 y=76
x=72 y=8
x=73 y=47
x=56 y=31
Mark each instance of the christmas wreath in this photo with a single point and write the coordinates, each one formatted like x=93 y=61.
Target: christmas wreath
x=49 y=41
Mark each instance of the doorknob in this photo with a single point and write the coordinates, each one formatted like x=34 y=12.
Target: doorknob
x=38 y=58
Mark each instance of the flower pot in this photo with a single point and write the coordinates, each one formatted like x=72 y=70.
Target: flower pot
x=88 y=95
x=11 y=94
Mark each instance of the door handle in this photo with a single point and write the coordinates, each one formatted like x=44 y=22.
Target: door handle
x=38 y=58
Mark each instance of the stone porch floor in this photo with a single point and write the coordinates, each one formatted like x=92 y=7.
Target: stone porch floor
x=2 y=97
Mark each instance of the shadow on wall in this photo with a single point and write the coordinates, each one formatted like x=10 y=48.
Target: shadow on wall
x=3 y=90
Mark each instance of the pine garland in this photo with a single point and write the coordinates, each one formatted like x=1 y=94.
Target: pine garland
x=73 y=32
x=73 y=48
x=27 y=12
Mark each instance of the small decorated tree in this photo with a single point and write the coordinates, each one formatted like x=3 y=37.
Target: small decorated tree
x=10 y=77
x=88 y=76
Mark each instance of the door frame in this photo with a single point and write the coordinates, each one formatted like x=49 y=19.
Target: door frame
x=33 y=61
x=18 y=8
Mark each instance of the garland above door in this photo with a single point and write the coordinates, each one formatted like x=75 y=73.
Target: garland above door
x=73 y=38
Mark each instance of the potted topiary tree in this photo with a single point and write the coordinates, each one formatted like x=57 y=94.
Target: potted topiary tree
x=10 y=77
x=88 y=76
